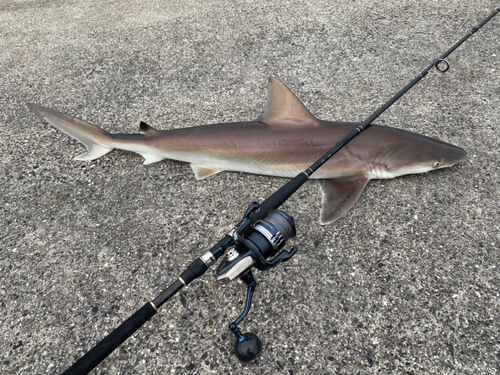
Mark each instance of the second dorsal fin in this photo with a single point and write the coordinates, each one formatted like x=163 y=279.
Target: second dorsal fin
x=282 y=104
x=147 y=129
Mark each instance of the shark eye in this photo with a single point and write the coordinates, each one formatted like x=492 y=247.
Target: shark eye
x=436 y=164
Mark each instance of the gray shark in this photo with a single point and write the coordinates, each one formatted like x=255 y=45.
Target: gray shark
x=284 y=141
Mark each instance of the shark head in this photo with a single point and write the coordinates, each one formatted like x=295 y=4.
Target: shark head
x=421 y=154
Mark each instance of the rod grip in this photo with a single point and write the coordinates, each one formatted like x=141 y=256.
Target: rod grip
x=93 y=357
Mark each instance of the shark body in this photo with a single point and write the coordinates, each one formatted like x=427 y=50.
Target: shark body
x=284 y=141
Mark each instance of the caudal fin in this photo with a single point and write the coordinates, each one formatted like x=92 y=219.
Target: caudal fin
x=93 y=137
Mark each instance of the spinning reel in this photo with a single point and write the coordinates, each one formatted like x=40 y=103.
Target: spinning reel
x=253 y=245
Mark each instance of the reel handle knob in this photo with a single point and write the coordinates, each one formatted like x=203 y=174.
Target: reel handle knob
x=247 y=347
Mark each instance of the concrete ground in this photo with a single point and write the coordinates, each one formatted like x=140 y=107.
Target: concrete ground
x=406 y=283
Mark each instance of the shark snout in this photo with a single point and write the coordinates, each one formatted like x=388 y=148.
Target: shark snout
x=452 y=155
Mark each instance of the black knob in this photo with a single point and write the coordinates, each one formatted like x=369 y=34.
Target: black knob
x=248 y=347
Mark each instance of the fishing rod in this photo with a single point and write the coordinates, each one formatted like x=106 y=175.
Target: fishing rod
x=261 y=234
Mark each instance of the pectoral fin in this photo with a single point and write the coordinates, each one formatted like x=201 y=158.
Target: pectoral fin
x=201 y=172
x=339 y=195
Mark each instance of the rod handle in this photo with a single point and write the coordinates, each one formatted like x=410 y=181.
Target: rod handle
x=93 y=357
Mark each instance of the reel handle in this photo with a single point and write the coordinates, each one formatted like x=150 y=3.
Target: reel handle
x=247 y=345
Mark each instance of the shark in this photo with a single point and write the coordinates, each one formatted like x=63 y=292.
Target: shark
x=283 y=141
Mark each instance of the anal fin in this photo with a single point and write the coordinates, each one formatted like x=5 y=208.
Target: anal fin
x=201 y=172
x=339 y=196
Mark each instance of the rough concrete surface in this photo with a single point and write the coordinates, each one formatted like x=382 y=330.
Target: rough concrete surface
x=406 y=283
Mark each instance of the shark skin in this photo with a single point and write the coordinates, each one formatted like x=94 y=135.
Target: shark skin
x=284 y=141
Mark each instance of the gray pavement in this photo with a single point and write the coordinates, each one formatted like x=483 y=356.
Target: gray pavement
x=405 y=283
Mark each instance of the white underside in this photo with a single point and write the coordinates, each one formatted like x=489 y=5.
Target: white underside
x=414 y=169
x=214 y=162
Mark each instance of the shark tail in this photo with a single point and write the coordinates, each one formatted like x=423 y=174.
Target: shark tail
x=96 y=140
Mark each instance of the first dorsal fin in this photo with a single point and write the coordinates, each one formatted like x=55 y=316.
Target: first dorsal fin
x=282 y=104
x=147 y=129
